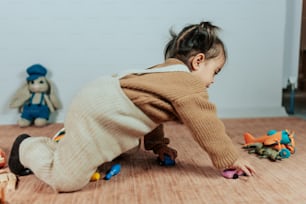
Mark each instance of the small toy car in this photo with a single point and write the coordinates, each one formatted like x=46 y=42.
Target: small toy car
x=232 y=173
x=167 y=161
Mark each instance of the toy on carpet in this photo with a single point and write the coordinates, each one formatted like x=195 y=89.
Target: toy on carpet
x=167 y=161
x=2 y=158
x=95 y=177
x=275 y=145
x=114 y=170
x=8 y=182
x=263 y=151
x=232 y=173
x=36 y=99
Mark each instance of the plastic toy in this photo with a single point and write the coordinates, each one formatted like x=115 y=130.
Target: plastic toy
x=2 y=159
x=8 y=183
x=8 y=180
x=95 y=177
x=59 y=135
x=114 y=170
x=36 y=99
x=232 y=173
x=167 y=161
x=280 y=141
x=263 y=151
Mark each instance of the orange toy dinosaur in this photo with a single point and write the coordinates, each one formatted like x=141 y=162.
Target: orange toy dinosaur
x=282 y=141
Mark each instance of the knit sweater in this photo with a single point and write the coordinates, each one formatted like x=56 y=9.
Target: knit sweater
x=182 y=97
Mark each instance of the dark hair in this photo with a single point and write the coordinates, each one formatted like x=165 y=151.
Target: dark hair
x=194 y=39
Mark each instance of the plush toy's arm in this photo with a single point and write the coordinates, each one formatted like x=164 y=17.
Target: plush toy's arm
x=53 y=97
x=49 y=103
x=21 y=96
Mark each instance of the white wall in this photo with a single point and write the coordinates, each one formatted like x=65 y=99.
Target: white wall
x=79 y=40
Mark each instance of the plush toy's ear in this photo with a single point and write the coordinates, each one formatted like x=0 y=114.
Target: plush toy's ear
x=21 y=96
x=53 y=97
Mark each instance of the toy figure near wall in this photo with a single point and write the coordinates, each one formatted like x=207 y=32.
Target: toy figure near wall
x=36 y=99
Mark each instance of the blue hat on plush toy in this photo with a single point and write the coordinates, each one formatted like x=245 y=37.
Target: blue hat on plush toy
x=36 y=71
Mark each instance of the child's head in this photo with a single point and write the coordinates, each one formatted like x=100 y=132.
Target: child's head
x=198 y=46
x=194 y=39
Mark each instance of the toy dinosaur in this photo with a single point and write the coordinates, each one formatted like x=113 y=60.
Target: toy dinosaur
x=263 y=151
x=280 y=141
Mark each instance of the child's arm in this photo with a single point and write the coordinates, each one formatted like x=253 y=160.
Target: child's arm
x=200 y=116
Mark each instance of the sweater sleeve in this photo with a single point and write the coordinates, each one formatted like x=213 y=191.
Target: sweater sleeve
x=200 y=117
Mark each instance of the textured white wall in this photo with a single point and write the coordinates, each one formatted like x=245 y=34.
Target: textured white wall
x=79 y=40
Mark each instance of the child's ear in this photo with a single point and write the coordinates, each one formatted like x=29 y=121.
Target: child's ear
x=197 y=60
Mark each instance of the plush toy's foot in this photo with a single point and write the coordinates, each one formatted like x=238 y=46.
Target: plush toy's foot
x=23 y=122
x=40 y=122
x=14 y=163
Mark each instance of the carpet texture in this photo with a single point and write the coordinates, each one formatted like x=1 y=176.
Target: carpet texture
x=191 y=180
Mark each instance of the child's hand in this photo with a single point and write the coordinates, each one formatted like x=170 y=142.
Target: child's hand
x=245 y=166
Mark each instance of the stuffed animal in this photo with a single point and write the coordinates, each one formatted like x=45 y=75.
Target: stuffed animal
x=36 y=99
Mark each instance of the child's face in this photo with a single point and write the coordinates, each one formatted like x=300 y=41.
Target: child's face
x=207 y=69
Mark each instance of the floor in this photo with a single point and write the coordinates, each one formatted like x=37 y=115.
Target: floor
x=193 y=178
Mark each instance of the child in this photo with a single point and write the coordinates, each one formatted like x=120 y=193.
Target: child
x=108 y=116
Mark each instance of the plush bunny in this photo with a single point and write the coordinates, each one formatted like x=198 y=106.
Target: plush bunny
x=36 y=99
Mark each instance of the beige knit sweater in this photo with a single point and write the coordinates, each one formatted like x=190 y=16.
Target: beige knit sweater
x=180 y=96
